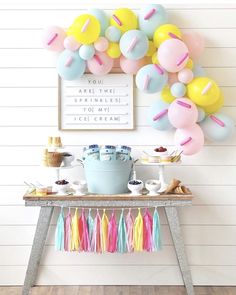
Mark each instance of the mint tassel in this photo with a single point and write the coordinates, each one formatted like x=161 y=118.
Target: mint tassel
x=59 y=235
x=122 y=234
x=156 y=232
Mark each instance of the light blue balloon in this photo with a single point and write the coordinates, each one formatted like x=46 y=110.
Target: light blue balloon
x=163 y=122
x=113 y=34
x=178 y=89
x=158 y=18
x=201 y=114
x=76 y=67
x=87 y=52
x=216 y=132
x=156 y=80
x=139 y=50
x=101 y=17
x=198 y=71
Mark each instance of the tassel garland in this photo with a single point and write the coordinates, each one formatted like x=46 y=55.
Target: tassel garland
x=100 y=234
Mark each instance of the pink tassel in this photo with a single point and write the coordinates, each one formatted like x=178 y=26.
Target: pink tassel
x=96 y=239
x=84 y=238
x=67 y=230
x=147 y=231
x=130 y=231
x=112 y=234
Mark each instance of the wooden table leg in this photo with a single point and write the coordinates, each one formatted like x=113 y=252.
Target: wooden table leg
x=40 y=236
x=173 y=220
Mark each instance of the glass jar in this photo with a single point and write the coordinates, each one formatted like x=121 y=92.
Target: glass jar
x=123 y=152
x=91 y=152
x=108 y=153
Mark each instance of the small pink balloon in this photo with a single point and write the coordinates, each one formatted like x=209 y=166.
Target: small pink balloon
x=53 y=38
x=100 y=64
x=195 y=44
x=172 y=78
x=182 y=113
x=129 y=66
x=185 y=76
x=173 y=55
x=190 y=140
x=71 y=44
x=101 y=44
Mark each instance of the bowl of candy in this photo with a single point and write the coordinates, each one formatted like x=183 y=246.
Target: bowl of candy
x=62 y=186
x=135 y=186
x=153 y=186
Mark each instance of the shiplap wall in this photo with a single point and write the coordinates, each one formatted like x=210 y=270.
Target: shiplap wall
x=28 y=114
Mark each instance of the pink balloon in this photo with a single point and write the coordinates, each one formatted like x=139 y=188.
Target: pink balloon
x=195 y=44
x=100 y=64
x=172 y=78
x=182 y=113
x=101 y=44
x=71 y=44
x=190 y=140
x=129 y=66
x=185 y=76
x=173 y=55
x=53 y=38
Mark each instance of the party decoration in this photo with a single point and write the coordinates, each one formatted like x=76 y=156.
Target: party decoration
x=151 y=17
x=124 y=19
x=173 y=55
x=134 y=44
x=101 y=16
x=86 y=52
x=100 y=64
x=53 y=38
x=122 y=234
x=190 y=140
x=165 y=32
x=113 y=50
x=67 y=239
x=101 y=44
x=70 y=65
x=138 y=232
x=217 y=127
x=195 y=44
x=85 y=29
x=59 y=236
x=113 y=34
x=203 y=91
x=164 y=60
x=178 y=89
x=71 y=44
x=158 y=115
x=151 y=78
x=129 y=221
x=182 y=113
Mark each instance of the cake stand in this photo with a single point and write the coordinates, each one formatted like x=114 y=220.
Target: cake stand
x=161 y=175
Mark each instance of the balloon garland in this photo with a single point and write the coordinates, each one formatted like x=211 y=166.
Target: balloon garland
x=163 y=59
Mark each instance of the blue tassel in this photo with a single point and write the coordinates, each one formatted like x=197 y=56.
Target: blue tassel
x=122 y=234
x=90 y=224
x=156 y=231
x=59 y=235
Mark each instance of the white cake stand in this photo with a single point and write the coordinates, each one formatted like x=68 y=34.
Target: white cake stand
x=161 y=166
x=58 y=169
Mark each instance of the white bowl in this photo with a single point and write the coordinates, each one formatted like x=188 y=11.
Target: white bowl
x=135 y=188
x=62 y=188
x=79 y=186
x=153 y=186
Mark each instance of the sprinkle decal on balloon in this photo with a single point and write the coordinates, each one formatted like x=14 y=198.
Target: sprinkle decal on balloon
x=163 y=59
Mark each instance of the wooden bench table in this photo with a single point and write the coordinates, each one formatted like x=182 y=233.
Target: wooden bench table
x=170 y=203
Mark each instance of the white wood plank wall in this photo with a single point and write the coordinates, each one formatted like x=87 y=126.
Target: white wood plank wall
x=28 y=114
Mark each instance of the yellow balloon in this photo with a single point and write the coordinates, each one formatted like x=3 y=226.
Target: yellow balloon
x=189 y=64
x=166 y=95
x=203 y=91
x=214 y=108
x=165 y=32
x=151 y=48
x=85 y=29
x=155 y=59
x=114 y=50
x=124 y=19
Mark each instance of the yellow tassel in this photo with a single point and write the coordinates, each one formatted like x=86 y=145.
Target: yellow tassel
x=138 y=232
x=75 y=242
x=105 y=222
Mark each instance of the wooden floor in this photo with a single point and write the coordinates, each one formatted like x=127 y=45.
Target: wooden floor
x=118 y=290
